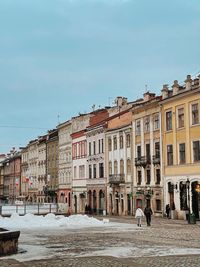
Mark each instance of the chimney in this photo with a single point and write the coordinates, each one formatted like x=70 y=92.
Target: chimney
x=119 y=101
x=124 y=101
x=165 y=91
x=175 y=87
x=188 y=82
x=148 y=96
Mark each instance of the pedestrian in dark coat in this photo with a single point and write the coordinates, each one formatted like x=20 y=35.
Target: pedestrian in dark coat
x=148 y=212
x=167 y=209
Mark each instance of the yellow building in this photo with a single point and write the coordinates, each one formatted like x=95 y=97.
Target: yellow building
x=181 y=146
x=147 y=180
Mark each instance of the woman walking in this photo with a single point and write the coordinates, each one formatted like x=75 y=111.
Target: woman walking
x=138 y=215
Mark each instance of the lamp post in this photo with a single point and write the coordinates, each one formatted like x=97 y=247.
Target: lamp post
x=188 y=191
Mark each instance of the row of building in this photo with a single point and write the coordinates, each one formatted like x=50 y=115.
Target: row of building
x=116 y=158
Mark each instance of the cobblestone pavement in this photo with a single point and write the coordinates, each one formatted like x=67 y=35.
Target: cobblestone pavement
x=84 y=247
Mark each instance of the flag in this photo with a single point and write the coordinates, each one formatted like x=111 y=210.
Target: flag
x=16 y=181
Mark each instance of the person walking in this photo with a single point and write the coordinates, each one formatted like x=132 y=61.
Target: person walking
x=167 y=209
x=138 y=215
x=148 y=212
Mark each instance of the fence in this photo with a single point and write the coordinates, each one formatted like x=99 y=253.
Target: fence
x=38 y=208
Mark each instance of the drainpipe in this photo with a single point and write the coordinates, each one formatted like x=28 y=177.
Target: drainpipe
x=161 y=162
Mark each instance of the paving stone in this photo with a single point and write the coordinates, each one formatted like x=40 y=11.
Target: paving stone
x=70 y=247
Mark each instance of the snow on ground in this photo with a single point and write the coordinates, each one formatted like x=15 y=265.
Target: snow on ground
x=141 y=251
x=30 y=221
x=35 y=229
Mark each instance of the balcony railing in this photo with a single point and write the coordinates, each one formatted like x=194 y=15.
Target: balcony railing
x=116 y=179
x=156 y=159
x=142 y=161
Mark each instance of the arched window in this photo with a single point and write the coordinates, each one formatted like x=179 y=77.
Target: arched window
x=128 y=166
x=128 y=140
x=109 y=144
x=121 y=142
x=115 y=142
x=115 y=167
x=121 y=166
x=110 y=167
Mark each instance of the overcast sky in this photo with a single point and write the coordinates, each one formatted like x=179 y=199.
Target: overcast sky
x=59 y=57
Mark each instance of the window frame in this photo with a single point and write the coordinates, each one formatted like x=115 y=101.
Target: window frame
x=170 y=160
x=180 y=151
x=192 y=118
x=168 y=120
x=179 y=116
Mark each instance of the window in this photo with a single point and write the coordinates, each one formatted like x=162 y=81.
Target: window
x=110 y=168
x=115 y=167
x=81 y=171
x=121 y=142
x=99 y=146
x=157 y=150
x=101 y=170
x=182 y=153
x=115 y=143
x=109 y=144
x=102 y=150
x=169 y=120
x=90 y=153
x=121 y=166
x=156 y=122
x=139 y=177
x=148 y=154
x=148 y=176
x=147 y=124
x=169 y=155
x=196 y=151
x=90 y=171
x=94 y=171
x=128 y=140
x=74 y=151
x=139 y=152
x=94 y=148
x=128 y=166
x=138 y=127
x=180 y=117
x=195 y=114
x=157 y=176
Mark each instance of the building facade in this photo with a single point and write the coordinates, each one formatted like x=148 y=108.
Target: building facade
x=33 y=170
x=24 y=173
x=181 y=146
x=65 y=163
x=118 y=163
x=147 y=181
x=42 y=170
x=51 y=189
x=79 y=154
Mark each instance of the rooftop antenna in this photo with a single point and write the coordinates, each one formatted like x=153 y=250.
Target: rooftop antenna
x=146 y=88
x=93 y=107
x=109 y=99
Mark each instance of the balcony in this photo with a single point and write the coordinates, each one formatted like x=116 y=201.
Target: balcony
x=116 y=179
x=156 y=159
x=142 y=161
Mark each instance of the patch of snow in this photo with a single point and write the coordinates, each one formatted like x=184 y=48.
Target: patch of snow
x=30 y=221
x=143 y=251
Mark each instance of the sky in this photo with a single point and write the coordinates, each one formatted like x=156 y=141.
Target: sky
x=59 y=57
